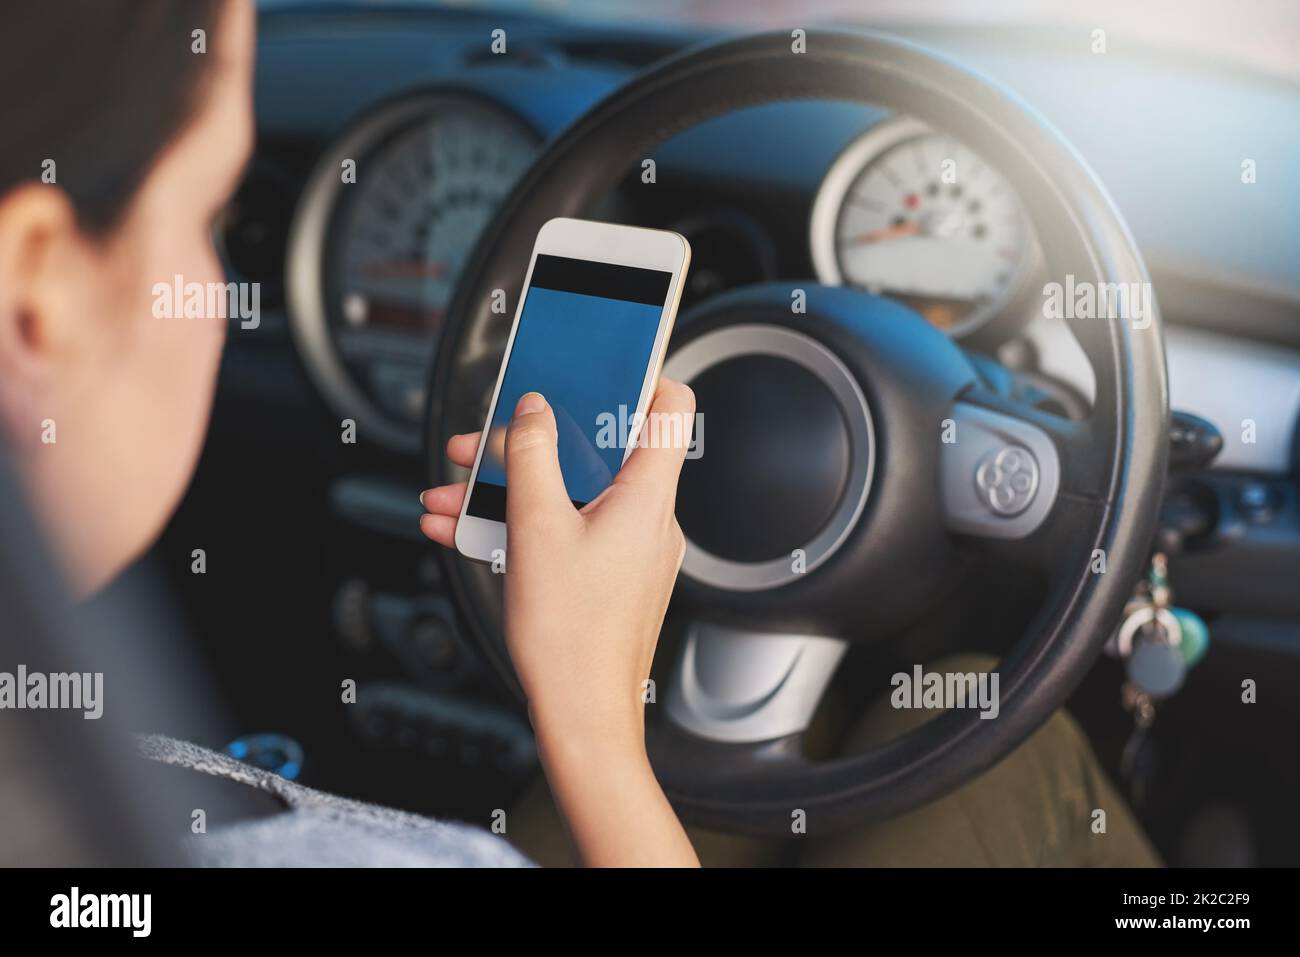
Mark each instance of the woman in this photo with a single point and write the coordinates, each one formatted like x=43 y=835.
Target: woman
x=110 y=181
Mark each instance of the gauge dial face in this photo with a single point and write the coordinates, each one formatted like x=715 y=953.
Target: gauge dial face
x=403 y=233
x=924 y=220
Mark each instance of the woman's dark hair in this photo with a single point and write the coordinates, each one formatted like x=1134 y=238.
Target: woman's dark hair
x=100 y=88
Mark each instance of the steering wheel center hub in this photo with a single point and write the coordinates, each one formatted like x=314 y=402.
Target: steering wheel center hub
x=785 y=464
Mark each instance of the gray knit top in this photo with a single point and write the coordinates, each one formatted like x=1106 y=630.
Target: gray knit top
x=323 y=830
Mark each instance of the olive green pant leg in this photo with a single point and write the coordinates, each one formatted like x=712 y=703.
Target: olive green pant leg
x=534 y=827
x=1035 y=808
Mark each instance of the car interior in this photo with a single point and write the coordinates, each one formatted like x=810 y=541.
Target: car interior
x=846 y=304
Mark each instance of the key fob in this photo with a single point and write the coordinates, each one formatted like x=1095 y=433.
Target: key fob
x=1195 y=635
x=1156 y=668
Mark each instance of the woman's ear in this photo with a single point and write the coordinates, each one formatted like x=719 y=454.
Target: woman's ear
x=42 y=266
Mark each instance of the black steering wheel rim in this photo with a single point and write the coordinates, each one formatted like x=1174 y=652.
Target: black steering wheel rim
x=754 y=788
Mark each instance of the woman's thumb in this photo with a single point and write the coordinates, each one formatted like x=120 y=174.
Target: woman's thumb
x=533 y=479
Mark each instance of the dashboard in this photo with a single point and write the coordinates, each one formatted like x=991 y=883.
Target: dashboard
x=388 y=139
x=393 y=207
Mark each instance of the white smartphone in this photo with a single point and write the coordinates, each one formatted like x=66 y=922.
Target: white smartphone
x=590 y=335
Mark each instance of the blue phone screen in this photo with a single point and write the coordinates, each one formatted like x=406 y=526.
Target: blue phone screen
x=584 y=341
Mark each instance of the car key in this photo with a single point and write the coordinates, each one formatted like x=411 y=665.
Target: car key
x=1158 y=644
x=1151 y=635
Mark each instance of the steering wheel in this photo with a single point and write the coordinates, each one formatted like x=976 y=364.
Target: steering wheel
x=855 y=464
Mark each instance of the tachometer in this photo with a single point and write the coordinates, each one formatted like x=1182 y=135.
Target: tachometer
x=915 y=215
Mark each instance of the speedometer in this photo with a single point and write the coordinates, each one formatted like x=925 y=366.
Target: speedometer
x=383 y=231
x=914 y=215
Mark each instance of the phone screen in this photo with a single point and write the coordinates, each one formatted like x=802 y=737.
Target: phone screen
x=584 y=341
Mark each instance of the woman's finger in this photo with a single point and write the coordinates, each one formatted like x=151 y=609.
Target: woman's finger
x=440 y=528
x=538 y=500
x=462 y=448
x=656 y=462
x=445 y=499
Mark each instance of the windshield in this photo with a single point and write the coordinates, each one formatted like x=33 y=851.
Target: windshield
x=1260 y=34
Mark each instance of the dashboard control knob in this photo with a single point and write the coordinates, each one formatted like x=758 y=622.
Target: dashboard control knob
x=1193 y=441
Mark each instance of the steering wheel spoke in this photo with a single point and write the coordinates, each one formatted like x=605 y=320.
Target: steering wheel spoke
x=1019 y=480
x=735 y=685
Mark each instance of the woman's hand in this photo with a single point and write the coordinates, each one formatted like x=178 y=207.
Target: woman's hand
x=586 y=593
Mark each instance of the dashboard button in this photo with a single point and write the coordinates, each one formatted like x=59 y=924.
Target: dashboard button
x=1258 y=502
x=1007 y=480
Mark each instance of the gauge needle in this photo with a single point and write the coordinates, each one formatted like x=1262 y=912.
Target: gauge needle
x=406 y=270
x=896 y=231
